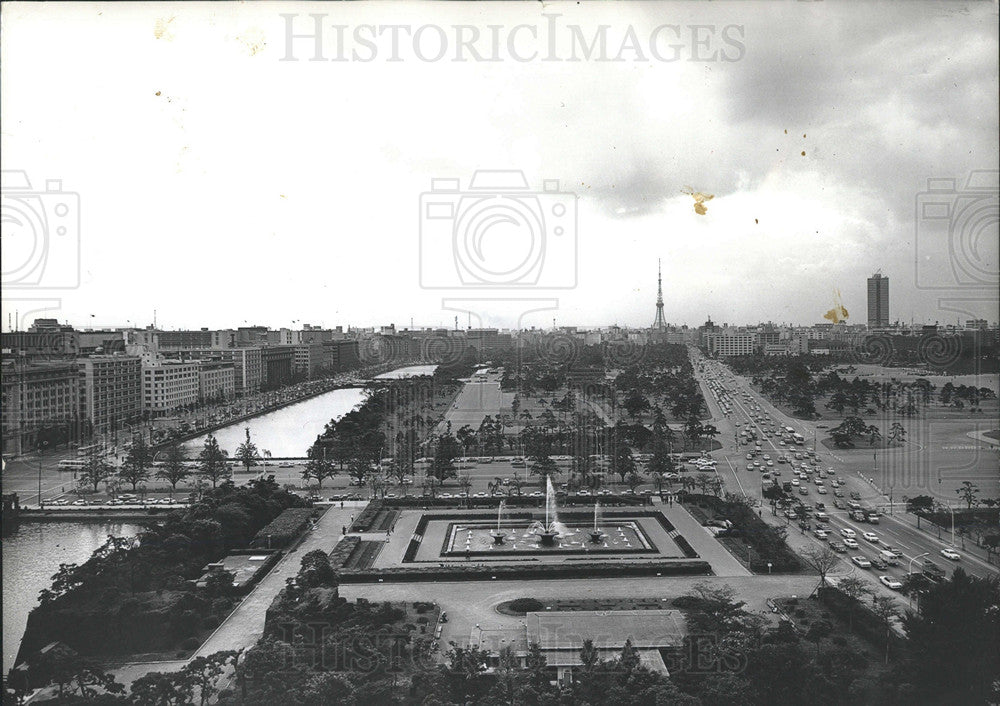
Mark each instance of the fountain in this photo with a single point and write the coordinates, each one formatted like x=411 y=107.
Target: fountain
x=498 y=534
x=548 y=533
x=596 y=535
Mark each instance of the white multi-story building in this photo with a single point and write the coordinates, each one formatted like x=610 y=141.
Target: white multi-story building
x=167 y=385
x=730 y=343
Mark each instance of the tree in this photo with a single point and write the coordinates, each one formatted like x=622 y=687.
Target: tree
x=466 y=437
x=885 y=610
x=135 y=470
x=622 y=461
x=95 y=470
x=359 y=469
x=703 y=481
x=874 y=434
x=174 y=468
x=919 y=504
x=854 y=588
x=204 y=672
x=445 y=453
x=954 y=638
x=822 y=559
x=635 y=404
x=897 y=432
x=969 y=493
x=246 y=453
x=544 y=467
x=317 y=467
x=212 y=465
x=161 y=689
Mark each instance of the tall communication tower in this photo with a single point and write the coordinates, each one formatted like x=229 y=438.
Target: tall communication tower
x=660 y=323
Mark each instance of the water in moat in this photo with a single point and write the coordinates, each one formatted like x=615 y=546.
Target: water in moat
x=32 y=554
x=286 y=432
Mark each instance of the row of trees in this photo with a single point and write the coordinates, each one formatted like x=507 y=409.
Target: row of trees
x=137 y=468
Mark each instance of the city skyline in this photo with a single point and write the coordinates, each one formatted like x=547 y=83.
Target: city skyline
x=761 y=204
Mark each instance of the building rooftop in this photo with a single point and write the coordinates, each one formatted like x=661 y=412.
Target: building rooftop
x=567 y=630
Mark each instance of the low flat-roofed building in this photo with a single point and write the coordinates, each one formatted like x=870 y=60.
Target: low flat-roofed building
x=560 y=635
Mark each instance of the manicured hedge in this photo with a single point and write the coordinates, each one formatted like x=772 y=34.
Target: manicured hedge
x=363 y=522
x=681 y=567
x=343 y=550
x=284 y=528
x=513 y=501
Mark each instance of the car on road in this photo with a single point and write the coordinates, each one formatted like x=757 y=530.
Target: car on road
x=870 y=537
x=949 y=553
x=852 y=544
x=838 y=547
x=861 y=562
x=821 y=535
x=879 y=563
x=890 y=582
x=848 y=532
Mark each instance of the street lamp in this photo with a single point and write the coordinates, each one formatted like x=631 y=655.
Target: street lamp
x=41 y=448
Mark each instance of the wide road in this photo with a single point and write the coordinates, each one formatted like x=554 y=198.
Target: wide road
x=900 y=532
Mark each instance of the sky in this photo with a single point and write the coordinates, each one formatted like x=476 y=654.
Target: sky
x=221 y=174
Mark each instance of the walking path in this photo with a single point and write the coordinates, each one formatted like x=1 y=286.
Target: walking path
x=981 y=436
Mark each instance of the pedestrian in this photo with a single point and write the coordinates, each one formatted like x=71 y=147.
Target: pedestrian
x=341 y=504
x=343 y=530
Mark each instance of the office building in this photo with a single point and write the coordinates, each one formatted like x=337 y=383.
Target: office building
x=169 y=385
x=216 y=381
x=110 y=391
x=878 y=301
x=40 y=405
